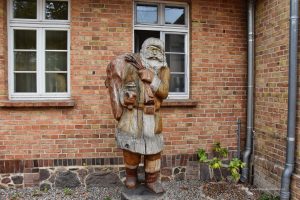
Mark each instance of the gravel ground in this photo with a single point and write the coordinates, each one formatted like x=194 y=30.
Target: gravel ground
x=180 y=190
x=175 y=190
x=229 y=191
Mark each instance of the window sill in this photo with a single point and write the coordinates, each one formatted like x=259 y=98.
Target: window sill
x=71 y=103
x=179 y=103
x=37 y=104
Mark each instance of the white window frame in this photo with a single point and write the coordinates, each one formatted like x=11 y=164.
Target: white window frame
x=41 y=25
x=168 y=29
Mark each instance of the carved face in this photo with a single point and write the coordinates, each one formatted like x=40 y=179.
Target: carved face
x=152 y=53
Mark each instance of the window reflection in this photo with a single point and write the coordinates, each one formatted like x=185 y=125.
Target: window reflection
x=24 y=9
x=56 y=82
x=177 y=83
x=25 y=61
x=175 y=43
x=57 y=10
x=174 y=15
x=146 y=14
x=57 y=40
x=176 y=62
x=25 y=82
x=24 y=39
x=56 y=61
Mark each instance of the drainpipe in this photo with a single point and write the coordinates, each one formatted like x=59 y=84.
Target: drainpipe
x=292 y=102
x=250 y=98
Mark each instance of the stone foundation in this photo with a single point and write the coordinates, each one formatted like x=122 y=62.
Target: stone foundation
x=95 y=172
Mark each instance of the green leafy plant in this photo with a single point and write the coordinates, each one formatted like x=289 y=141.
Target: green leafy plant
x=67 y=191
x=107 y=198
x=234 y=166
x=202 y=155
x=216 y=162
x=267 y=196
x=221 y=152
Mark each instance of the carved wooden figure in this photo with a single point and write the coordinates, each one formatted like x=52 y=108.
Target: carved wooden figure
x=137 y=85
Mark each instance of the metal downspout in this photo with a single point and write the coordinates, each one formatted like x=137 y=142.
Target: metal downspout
x=292 y=102
x=250 y=96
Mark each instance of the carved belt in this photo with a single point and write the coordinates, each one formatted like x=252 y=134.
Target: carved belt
x=148 y=109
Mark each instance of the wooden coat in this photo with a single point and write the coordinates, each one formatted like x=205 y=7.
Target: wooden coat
x=138 y=130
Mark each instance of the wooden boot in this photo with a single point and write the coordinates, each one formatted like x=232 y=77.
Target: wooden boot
x=132 y=161
x=131 y=178
x=153 y=183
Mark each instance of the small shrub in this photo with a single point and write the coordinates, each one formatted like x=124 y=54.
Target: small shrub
x=219 y=151
x=202 y=155
x=234 y=166
x=216 y=162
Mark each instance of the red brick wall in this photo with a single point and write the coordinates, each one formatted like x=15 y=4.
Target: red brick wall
x=100 y=31
x=3 y=72
x=3 y=47
x=218 y=70
x=271 y=94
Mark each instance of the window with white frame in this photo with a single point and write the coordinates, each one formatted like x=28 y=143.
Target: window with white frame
x=169 y=22
x=39 y=52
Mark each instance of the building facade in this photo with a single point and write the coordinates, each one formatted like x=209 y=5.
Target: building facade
x=55 y=110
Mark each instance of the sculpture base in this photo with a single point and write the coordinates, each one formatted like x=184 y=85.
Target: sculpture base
x=141 y=193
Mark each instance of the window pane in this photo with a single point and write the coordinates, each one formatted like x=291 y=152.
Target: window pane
x=25 y=61
x=174 y=15
x=174 y=43
x=25 y=9
x=57 y=10
x=140 y=36
x=146 y=14
x=24 y=39
x=56 y=61
x=25 y=82
x=177 y=83
x=176 y=62
x=56 y=40
x=56 y=82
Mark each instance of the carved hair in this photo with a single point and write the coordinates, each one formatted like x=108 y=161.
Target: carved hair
x=153 y=42
x=148 y=59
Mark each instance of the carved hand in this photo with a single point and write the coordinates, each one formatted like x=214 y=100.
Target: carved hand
x=130 y=99
x=146 y=75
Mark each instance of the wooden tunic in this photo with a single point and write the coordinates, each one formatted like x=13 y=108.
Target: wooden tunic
x=138 y=130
